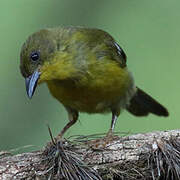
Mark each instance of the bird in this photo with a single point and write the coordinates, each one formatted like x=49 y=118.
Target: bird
x=85 y=69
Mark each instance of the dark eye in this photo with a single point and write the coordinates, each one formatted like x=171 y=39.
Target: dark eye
x=35 y=56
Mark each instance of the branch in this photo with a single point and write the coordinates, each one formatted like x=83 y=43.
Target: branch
x=153 y=155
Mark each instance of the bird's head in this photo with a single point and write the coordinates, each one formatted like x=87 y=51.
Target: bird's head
x=36 y=51
x=44 y=57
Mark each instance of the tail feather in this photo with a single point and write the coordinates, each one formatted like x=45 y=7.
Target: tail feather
x=142 y=104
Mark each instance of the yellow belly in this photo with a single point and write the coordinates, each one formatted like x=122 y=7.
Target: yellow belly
x=93 y=93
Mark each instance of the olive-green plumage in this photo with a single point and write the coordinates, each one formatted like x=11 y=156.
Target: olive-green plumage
x=85 y=69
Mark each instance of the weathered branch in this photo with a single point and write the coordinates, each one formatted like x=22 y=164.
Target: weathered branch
x=142 y=156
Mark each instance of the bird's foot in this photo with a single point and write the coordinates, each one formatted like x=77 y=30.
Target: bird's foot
x=103 y=143
x=55 y=140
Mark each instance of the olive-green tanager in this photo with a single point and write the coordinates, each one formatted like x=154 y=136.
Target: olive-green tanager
x=85 y=70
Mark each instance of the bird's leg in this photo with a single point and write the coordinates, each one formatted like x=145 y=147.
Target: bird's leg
x=113 y=123
x=73 y=117
x=115 y=114
x=103 y=142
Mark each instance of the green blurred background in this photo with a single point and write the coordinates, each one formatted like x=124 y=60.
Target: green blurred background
x=148 y=31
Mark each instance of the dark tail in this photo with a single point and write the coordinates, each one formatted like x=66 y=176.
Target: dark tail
x=142 y=104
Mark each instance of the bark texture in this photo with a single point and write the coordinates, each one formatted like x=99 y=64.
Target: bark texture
x=153 y=155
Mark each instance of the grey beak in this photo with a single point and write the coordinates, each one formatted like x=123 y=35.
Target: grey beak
x=31 y=83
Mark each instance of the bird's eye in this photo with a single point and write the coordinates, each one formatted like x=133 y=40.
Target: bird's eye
x=35 y=56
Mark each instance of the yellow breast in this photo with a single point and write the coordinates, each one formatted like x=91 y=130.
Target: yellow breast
x=96 y=91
